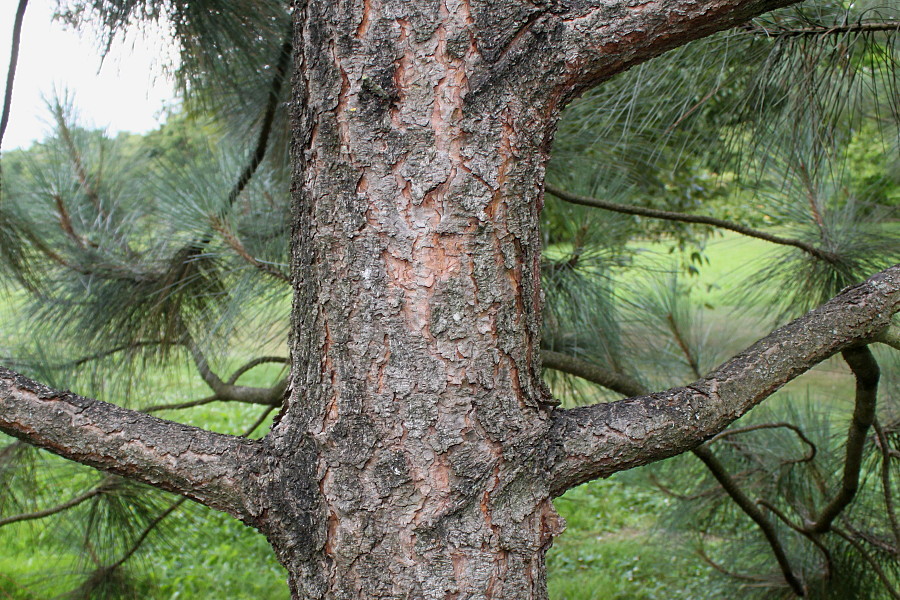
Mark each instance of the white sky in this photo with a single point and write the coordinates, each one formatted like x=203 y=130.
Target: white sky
x=128 y=93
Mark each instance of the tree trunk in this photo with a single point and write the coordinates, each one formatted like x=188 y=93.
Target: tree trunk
x=417 y=314
x=421 y=135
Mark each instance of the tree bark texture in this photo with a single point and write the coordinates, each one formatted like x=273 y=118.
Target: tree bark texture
x=422 y=131
x=418 y=450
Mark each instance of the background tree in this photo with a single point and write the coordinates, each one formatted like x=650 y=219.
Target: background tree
x=140 y=271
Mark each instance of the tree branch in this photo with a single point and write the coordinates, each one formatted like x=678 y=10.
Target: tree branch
x=609 y=379
x=211 y=468
x=826 y=30
x=262 y=141
x=808 y=457
x=890 y=336
x=260 y=360
x=40 y=514
x=227 y=392
x=603 y=38
x=865 y=368
x=886 y=581
x=81 y=173
x=235 y=244
x=751 y=510
x=612 y=380
x=11 y=70
x=886 y=484
x=687 y=218
x=598 y=440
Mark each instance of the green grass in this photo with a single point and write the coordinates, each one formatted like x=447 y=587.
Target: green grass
x=612 y=549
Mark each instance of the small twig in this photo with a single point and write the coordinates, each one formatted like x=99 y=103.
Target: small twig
x=262 y=141
x=40 y=514
x=182 y=405
x=683 y=497
x=691 y=110
x=885 y=580
x=77 y=163
x=259 y=421
x=255 y=363
x=687 y=218
x=731 y=488
x=879 y=543
x=232 y=240
x=808 y=457
x=97 y=356
x=705 y=557
x=609 y=379
x=146 y=532
x=65 y=222
x=683 y=345
x=886 y=483
x=812 y=537
x=828 y=30
x=235 y=393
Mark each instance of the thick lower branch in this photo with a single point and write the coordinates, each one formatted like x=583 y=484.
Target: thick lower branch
x=213 y=469
x=614 y=381
x=596 y=441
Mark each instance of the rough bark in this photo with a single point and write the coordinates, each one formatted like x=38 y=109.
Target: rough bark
x=418 y=450
x=421 y=134
x=596 y=441
x=211 y=468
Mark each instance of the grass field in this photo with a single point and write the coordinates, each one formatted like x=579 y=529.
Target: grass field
x=613 y=547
